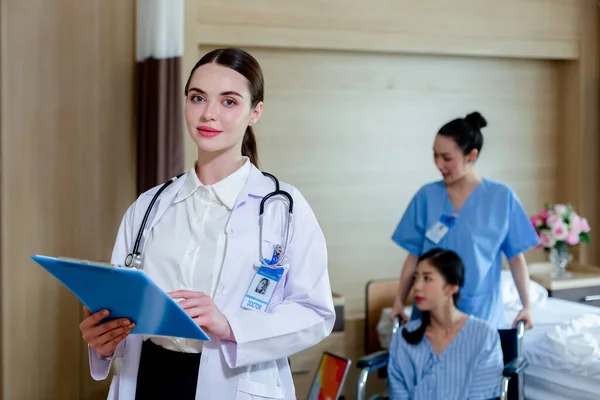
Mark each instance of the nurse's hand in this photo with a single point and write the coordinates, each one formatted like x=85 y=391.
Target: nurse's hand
x=204 y=312
x=398 y=311
x=525 y=315
x=104 y=337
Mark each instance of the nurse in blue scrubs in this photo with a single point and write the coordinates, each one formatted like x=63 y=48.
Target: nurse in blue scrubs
x=476 y=217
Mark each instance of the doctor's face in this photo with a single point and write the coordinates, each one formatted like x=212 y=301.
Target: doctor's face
x=450 y=159
x=218 y=109
x=431 y=289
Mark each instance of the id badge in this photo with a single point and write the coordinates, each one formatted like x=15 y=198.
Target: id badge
x=262 y=287
x=437 y=232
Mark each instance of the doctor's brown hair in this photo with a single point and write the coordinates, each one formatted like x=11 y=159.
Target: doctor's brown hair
x=451 y=267
x=246 y=65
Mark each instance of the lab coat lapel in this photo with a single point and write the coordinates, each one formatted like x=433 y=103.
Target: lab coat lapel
x=242 y=226
x=245 y=211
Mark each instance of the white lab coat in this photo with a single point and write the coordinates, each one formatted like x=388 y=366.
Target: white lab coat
x=301 y=313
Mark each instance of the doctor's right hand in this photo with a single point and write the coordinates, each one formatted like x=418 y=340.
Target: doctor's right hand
x=104 y=337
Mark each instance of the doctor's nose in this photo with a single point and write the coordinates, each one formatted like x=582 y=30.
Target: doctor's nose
x=209 y=112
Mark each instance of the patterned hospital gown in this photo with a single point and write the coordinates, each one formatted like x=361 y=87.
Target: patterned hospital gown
x=469 y=368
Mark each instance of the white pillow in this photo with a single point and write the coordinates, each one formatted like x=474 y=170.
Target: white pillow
x=510 y=295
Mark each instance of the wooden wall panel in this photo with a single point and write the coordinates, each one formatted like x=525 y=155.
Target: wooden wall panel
x=579 y=146
x=68 y=174
x=509 y=28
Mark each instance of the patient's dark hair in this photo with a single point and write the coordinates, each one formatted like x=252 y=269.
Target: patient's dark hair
x=451 y=267
x=466 y=132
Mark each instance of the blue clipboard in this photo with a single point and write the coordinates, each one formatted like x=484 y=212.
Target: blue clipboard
x=126 y=293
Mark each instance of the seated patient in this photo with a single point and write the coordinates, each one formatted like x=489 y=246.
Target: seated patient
x=447 y=354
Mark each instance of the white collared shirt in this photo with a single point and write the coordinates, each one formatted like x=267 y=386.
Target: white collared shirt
x=187 y=246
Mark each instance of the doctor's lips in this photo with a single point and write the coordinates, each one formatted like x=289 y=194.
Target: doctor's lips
x=207 y=131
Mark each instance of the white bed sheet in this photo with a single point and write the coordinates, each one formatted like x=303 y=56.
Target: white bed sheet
x=555 y=312
x=547 y=384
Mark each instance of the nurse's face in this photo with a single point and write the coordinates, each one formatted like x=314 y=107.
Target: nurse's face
x=431 y=290
x=218 y=109
x=450 y=159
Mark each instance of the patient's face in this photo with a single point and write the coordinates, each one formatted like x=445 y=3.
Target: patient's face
x=430 y=287
x=450 y=159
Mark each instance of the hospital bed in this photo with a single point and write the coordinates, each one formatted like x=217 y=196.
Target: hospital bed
x=562 y=350
x=560 y=370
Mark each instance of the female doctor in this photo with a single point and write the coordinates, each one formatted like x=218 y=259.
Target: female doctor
x=476 y=217
x=201 y=246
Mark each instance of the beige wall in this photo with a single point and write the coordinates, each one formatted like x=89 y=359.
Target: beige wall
x=358 y=144
x=355 y=94
x=67 y=176
x=354 y=98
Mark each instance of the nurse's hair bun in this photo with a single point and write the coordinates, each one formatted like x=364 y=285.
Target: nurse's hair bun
x=476 y=120
x=466 y=132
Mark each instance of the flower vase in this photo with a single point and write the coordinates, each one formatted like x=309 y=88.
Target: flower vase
x=561 y=257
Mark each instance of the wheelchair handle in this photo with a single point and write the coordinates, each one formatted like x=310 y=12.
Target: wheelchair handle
x=520 y=328
x=520 y=334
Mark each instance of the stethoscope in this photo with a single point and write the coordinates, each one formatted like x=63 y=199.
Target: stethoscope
x=134 y=259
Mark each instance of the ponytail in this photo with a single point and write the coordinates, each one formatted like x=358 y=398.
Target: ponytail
x=249 y=147
x=416 y=336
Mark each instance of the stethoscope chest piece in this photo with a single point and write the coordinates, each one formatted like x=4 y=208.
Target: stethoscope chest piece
x=133 y=261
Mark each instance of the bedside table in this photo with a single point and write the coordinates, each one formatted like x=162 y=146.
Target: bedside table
x=582 y=287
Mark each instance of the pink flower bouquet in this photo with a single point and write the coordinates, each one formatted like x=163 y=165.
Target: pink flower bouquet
x=559 y=227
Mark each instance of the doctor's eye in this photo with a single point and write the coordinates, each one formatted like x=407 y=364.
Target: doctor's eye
x=196 y=98
x=229 y=102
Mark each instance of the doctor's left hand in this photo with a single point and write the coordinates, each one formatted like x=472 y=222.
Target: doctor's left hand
x=204 y=312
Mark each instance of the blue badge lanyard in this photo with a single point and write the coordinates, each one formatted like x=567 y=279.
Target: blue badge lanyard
x=275 y=257
x=449 y=220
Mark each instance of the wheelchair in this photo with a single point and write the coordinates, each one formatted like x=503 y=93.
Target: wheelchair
x=511 y=385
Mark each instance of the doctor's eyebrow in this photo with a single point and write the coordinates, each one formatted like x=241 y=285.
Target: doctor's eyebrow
x=226 y=93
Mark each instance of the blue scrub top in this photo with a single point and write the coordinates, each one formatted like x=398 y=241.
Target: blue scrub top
x=491 y=222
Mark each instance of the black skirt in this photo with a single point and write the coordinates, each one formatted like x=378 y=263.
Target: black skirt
x=166 y=374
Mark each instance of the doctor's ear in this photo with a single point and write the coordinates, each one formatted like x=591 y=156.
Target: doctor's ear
x=255 y=113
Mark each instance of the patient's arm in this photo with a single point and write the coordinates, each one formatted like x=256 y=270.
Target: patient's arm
x=487 y=370
x=400 y=369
